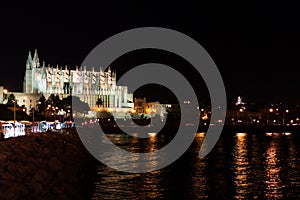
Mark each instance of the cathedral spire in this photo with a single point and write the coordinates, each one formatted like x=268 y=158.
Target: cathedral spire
x=36 y=62
x=29 y=58
x=114 y=74
x=44 y=73
x=35 y=55
x=29 y=61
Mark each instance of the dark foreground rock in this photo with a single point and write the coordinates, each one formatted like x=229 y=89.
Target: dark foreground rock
x=45 y=166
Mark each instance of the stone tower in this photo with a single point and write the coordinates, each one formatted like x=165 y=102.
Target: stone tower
x=27 y=85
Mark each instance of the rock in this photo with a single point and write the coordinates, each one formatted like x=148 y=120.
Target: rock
x=54 y=164
x=46 y=151
x=7 y=177
x=37 y=188
x=3 y=158
x=43 y=166
x=40 y=175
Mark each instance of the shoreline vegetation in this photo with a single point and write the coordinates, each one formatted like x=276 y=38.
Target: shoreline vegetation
x=46 y=166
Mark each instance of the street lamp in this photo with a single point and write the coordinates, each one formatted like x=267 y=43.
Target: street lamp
x=14 y=117
x=33 y=117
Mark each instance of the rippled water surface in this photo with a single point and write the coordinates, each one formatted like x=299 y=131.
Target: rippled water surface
x=241 y=166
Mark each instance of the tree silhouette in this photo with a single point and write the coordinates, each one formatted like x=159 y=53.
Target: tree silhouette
x=67 y=103
x=51 y=100
x=99 y=102
x=79 y=106
x=41 y=107
x=10 y=100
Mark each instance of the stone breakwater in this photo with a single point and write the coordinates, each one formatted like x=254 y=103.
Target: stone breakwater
x=45 y=166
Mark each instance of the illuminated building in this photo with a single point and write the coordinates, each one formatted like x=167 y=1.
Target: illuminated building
x=88 y=85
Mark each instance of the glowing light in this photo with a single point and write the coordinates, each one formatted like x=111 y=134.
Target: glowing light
x=241 y=134
x=132 y=111
x=269 y=134
x=152 y=134
x=292 y=121
x=241 y=110
x=286 y=111
x=135 y=134
x=5 y=91
x=202 y=134
x=287 y=133
x=205 y=117
x=271 y=109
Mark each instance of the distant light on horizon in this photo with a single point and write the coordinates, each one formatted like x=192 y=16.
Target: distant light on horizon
x=271 y=109
x=241 y=134
x=152 y=134
x=269 y=134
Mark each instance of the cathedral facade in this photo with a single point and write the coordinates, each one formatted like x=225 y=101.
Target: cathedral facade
x=88 y=85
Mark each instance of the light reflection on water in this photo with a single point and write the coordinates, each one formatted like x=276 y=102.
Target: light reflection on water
x=241 y=166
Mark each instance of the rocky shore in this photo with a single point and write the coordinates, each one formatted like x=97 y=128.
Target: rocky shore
x=45 y=166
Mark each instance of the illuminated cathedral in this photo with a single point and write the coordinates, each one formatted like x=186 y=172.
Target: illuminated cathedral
x=89 y=85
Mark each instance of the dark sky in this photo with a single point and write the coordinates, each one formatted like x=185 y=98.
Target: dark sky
x=256 y=46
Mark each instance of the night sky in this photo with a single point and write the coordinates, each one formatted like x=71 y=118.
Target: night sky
x=256 y=46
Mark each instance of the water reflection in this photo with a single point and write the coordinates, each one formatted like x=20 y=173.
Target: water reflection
x=241 y=166
x=272 y=169
x=199 y=184
x=151 y=147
